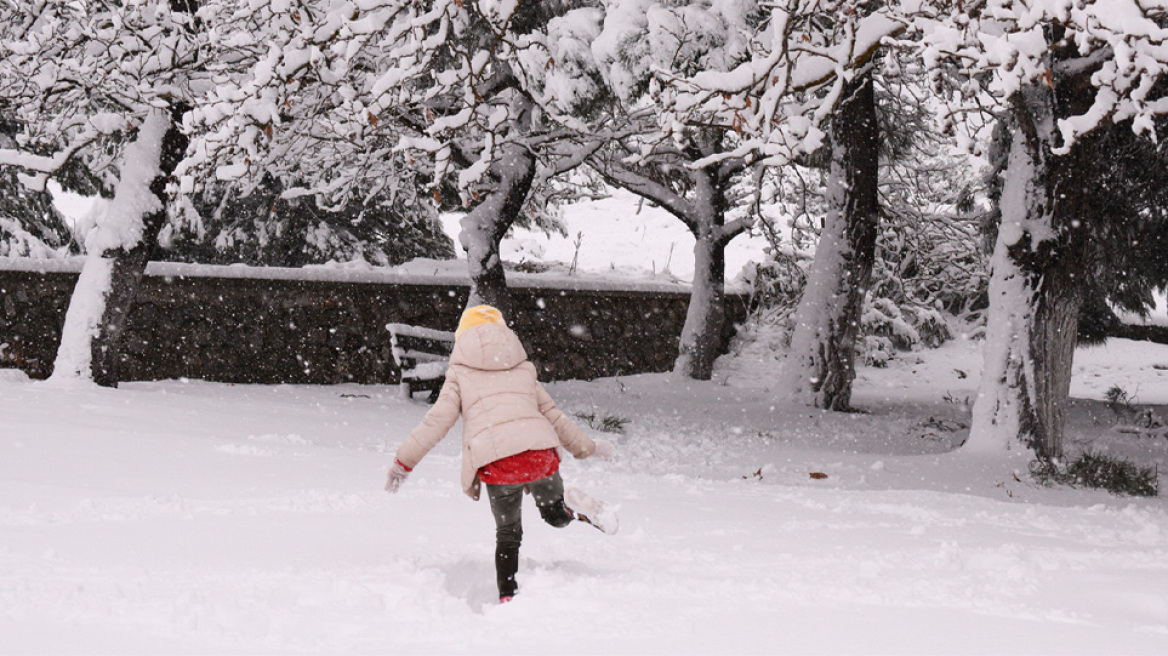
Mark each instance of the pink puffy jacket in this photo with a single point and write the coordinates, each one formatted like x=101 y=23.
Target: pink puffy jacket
x=504 y=408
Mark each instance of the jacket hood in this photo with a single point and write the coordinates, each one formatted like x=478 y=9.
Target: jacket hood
x=477 y=316
x=490 y=347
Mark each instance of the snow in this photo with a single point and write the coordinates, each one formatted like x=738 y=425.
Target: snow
x=22 y=243
x=118 y=224
x=190 y=517
x=83 y=320
x=620 y=238
x=70 y=205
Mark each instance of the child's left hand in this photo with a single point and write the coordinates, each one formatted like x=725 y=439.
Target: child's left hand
x=604 y=450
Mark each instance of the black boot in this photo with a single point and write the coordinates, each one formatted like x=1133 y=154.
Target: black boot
x=506 y=566
x=557 y=513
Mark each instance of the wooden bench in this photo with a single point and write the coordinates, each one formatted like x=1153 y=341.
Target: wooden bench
x=421 y=354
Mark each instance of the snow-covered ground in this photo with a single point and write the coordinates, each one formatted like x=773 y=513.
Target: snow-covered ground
x=189 y=517
x=196 y=518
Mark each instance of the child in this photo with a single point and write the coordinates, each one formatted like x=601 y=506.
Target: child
x=511 y=428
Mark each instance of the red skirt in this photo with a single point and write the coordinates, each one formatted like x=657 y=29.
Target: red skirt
x=521 y=468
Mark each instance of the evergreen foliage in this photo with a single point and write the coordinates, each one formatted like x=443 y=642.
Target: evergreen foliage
x=227 y=225
x=1130 y=248
x=1101 y=471
x=604 y=423
x=30 y=226
x=1128 y=251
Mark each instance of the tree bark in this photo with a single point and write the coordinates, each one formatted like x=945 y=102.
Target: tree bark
x=705 y=316
x=484 y=227
x=91 y=338
x=820 y=366
x=1036 y=290
x=130 y=264
x=119 y=250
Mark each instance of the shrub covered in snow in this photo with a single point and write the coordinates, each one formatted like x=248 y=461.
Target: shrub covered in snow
x=29 y=224
x=888 y=324
x=906 y=326
x=876 y=351
x=1102 y=471
x=775 y=287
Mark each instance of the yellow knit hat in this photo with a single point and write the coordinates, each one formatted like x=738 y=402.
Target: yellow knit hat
x=477 y=316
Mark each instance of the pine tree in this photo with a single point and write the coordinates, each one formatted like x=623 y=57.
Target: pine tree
x=1129 y=251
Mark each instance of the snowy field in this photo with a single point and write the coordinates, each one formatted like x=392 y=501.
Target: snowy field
x=197 y=518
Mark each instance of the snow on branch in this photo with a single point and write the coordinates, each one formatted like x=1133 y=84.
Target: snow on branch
x=72 y=73
x=437 y=83
x=787 y=81
x=1118 y=47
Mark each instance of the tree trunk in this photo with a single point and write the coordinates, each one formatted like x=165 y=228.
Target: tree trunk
x=130 y=264
x=820 y=366
x=484 y=227
x=105 y=292
x=1036 y=290
x=704 y=319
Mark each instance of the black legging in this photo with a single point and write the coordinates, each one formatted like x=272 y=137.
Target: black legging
x=507 y=506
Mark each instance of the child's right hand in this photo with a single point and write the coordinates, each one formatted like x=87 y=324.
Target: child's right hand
x=398 y=474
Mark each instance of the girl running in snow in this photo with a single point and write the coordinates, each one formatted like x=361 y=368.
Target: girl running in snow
x=511 y=429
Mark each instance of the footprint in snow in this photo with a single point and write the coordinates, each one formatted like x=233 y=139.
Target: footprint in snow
x=244 y=450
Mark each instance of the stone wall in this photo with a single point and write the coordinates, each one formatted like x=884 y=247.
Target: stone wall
x=296 y=329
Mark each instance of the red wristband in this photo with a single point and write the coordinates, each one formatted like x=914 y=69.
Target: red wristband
x=402 y=465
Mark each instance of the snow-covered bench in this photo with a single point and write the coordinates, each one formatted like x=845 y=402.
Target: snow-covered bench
x=421 y=355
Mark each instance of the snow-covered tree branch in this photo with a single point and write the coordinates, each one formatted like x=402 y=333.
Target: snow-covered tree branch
x=404 y=93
